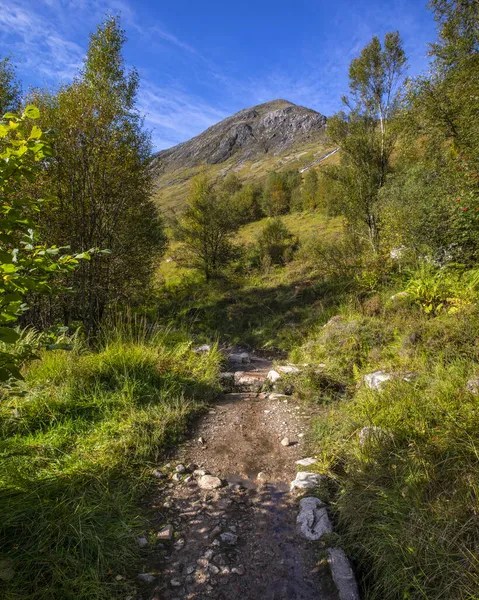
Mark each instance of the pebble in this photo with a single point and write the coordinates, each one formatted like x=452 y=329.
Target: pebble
x=158 y=474
x=175 y=583
x=229 y=538
x=176 y=477
x=180 y=469
x=146 y=577
x=213 y=569
x=285 y=442
x=209 y=554
x=166 y=533
x=179 y=544
x=201 y=440
x=239 y=570
x=306 y=462
x=208 y=482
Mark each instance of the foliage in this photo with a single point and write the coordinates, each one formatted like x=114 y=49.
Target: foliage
x=365 y=135
x=279 y=192
x=79 y=440
x=205 y=229
x=10 y=88
x=101 y=183
x=27 y=266
x=276 y=243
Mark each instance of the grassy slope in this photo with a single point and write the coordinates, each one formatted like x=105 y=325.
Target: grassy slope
x=172 y=187
x=77 y=445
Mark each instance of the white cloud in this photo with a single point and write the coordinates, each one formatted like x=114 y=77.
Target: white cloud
x=173 y=115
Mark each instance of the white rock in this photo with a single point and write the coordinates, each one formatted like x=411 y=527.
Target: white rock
x=472 y=385
x=313 y=521
x=199 y=472
x=342 y=574
x=180 y=469
x=376 y=380
x=307 y=481
x=208 y=482
x=142 y=541
x=273 y=376
x=285 y=442
x=166 y=533
x=397 y=253
x=239 y=570
x=288 y=369
x=277 y=396
x=204 y=348
x=250 y=380
x=306 y=462
x=262 y=476
x=372 y=434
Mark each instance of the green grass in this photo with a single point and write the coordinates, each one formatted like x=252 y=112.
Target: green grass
x=406 y=501
x=77 y=444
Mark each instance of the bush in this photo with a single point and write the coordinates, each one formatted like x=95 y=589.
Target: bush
x=276 y=243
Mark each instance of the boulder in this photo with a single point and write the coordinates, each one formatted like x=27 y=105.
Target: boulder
x=342 y=574
x=307 y=481
x=251 y=381
x=240 y=358
x=313 y=521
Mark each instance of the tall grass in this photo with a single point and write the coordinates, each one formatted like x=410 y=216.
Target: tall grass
x=78 y=439
x=406 y=497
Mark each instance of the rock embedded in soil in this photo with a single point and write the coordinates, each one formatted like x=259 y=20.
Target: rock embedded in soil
x=158 y=474
x=146 y=578
x=229 y=538
x=180 y=469
x=343 y=575
x=376 y=380
x=307 y=481
x=286 y=442
x=313 y=521
x=209 y=482
x=306 y=462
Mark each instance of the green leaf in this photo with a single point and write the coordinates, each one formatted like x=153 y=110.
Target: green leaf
x=35 y=134
x=8 y=335
x=31 y=112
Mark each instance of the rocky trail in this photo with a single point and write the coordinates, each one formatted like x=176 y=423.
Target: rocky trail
x=232 y=517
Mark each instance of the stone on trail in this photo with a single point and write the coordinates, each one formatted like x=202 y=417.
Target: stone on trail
x=239 y=358
x=158 y=474
x=229 y=538
x=273 y=376
x=208 y=482
x=342 y=574
x=313 y=521
x=146 y=578
x=307 y=481
x=306 y=462
x=180 y=469
x=286 y=442
x=166 y=533
x=249 y=380
x=277 y=396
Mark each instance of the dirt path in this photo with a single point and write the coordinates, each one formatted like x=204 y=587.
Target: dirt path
x=239 y=541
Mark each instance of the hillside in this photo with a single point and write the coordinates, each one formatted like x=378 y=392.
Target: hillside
x=274 y=135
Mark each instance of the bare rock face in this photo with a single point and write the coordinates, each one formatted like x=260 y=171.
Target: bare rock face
x=270 y=127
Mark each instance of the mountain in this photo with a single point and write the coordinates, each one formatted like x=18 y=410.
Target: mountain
x=274 y=135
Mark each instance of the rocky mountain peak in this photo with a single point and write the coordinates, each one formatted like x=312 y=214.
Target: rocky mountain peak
x=267 y=128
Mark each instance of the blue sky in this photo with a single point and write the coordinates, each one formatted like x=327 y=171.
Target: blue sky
x=202 y=60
